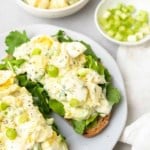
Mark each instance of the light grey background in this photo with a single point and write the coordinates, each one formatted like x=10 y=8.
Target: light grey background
x=11 y=16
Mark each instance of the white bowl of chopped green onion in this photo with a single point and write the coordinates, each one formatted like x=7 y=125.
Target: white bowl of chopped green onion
x=124 y=22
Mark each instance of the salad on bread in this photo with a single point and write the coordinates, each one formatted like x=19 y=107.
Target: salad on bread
x=67 y=75
x=22 y=126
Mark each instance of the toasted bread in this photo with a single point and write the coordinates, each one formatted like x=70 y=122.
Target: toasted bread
x=96 y=129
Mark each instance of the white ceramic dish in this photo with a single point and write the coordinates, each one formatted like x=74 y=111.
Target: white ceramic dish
x=108 y=138
x=52 y=13
x=106 y=4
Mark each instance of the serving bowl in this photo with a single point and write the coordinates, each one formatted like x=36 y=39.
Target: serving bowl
x=109 y=4
x=52 y=13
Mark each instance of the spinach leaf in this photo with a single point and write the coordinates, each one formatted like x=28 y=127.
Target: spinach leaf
x=40 y=96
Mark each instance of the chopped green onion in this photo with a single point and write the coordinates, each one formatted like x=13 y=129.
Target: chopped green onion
x=52 y=71
x=24 y=117
x=3 y=106
x=11 y=133
x=124 y=23
x=74 y=102
x=36 y=51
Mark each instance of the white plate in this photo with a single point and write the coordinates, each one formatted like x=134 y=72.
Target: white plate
x=108 y=138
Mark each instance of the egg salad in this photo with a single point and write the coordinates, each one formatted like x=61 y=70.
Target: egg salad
x=51 y=4
x=22 y=126
x=60 y=68
x=64 y=75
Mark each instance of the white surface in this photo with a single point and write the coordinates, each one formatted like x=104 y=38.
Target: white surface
x=138 y=133
x=107 y=4
x=110 y=134
x=52 y=13
x=134 y=63
x=12 y=16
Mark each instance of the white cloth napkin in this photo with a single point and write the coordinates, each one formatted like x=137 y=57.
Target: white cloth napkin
x=134 y=63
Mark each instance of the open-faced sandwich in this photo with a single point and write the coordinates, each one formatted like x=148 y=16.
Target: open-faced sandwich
x=70 y=78
x=22 y=126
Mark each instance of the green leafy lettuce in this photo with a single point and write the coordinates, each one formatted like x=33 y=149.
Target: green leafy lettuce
x=15 y=39
x=57 y=107
x=112 y=94
x=82 y=125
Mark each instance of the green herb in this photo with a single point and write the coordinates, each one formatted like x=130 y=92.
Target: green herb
x=62 y=37
x=11 y=63
x=3 y=66
x=40 y=96
x=57 y=107
x=113 y=95
x=15 y=39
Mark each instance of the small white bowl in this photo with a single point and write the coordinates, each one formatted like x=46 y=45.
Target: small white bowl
x=108 y=4
x=52 y=13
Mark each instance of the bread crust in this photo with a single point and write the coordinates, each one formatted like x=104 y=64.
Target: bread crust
x=101 y=124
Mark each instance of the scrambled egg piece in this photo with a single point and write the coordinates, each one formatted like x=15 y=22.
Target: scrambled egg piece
x=67 y=81
x=22 y=126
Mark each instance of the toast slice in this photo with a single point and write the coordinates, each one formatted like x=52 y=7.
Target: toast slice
x=96 y=129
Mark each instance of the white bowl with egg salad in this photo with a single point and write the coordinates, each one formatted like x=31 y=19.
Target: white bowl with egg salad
x=22 y=125
x=51 y=4
x=51 y=8
x=78 y=85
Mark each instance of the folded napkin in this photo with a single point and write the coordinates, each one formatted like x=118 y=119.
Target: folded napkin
x=134 y=63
